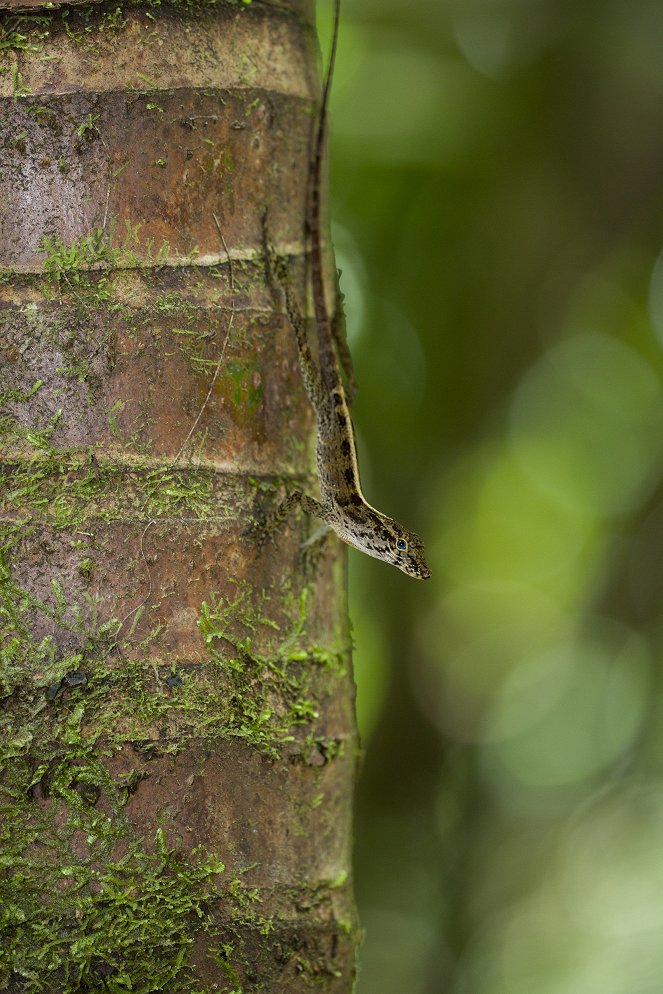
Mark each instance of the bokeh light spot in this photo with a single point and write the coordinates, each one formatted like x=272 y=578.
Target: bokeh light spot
x=596 y=708
x=587 y=425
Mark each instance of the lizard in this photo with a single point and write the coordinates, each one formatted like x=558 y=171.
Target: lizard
x=342 y=505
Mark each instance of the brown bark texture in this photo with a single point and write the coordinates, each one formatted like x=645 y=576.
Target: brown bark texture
x=177 y=741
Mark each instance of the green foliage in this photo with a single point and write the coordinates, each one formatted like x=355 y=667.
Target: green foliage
x=507 y=330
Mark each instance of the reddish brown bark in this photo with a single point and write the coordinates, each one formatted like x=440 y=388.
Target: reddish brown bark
x=175 y=698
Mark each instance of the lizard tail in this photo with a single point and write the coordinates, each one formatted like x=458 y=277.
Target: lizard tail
x=323 y=319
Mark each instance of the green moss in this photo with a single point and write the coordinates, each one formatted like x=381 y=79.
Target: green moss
x=90 y=26
x=67 y=262
x=222 y=956
x=117 y=917
x=245 y=904
x=273 y=691
x=261 y=697
x=19 y=89
x=112 y=20
x=70 y=492
x=23 y=33
x=21 y=396
x=40 y=114
x=124 y=916
x=126 y=926
x=86 y=567
x=88 y=128
x=37 y=439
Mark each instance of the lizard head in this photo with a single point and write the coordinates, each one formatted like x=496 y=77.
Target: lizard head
x=389 y=541
x=406 y=550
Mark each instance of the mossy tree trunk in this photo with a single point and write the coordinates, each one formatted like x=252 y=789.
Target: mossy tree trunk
x=177 y=740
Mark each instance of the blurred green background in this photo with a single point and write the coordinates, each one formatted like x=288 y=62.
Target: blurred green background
x=497 y=176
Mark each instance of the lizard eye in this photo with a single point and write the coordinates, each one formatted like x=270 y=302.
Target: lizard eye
x=402 y=545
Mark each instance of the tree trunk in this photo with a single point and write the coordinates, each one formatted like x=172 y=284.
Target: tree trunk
x=177 y=738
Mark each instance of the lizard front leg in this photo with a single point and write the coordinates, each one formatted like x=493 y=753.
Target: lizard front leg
x=269 y=527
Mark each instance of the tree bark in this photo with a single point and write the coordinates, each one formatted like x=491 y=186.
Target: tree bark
x=177 y=740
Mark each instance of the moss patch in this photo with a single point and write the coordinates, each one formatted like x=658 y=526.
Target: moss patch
x=72 y=495
x=125 y=925
x=273 y=692
x=93 y=27
x=122 y=916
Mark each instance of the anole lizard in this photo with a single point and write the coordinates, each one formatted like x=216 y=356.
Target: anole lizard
x=342 y=505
